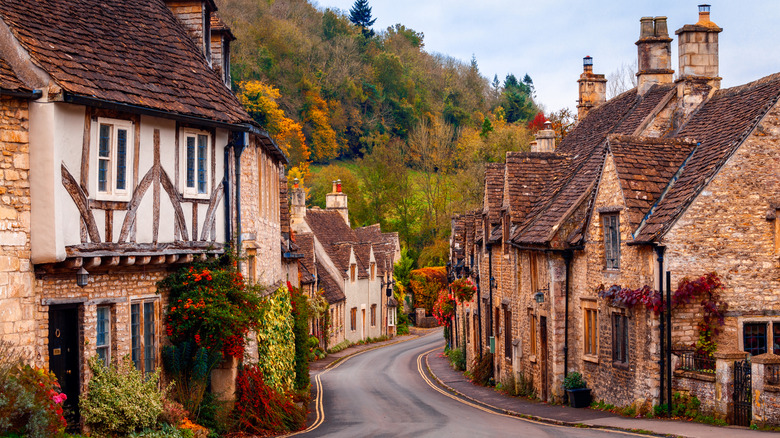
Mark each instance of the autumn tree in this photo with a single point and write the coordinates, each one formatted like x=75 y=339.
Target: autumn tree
x=360 y=15
x=316 y=119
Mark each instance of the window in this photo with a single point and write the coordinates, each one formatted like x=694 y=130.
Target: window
x=532 y=318
x=619 y=338
x=467 y=323
x=373 y=271
x=196 y=160
x=497 y=320
x=352 y=271
x=777 y=230
x=754 y=337
x=251 y=267
x=373 y=315
x=143 y=338
x=114 y=157
x=591 y=329
x=353 y=319
x=103 y=342
x=488 y=327
x=391 y=316
x=611 y=240
x=507 y=333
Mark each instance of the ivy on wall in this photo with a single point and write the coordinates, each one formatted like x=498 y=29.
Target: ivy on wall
x=276 y=341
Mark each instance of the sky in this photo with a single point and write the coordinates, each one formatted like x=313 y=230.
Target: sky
x=547 y=39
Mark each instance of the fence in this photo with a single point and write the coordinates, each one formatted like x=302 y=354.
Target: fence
x=699 y=363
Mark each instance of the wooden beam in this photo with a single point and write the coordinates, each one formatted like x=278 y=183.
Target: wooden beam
x=74 y=263
x=143 y=260
x=158 y=260
x=186 y=258
x=171 y=259
x=110 y=261
x=127 y=261
x=91 y=262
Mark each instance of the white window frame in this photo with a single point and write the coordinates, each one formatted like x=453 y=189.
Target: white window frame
x=194 y=191
x=391 y=316
x=106 y=344
x=112 y=193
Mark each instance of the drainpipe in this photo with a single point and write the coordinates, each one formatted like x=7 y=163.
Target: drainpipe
x=479 y=312
x=238 y=147
x=660 y=252
x=669 y=342
x=489 y=248
x=567 y=257
x=226 y=188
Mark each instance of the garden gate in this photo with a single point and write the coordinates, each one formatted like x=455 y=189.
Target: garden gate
x=743 y=389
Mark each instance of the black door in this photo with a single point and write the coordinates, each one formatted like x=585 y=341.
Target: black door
x=543 y=354
x=64 y=357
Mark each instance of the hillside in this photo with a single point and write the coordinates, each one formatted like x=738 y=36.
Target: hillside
x=416 y=126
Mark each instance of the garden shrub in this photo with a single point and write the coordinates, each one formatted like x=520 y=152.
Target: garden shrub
x=173 y=412
x=190 y=367
x=457 y=357
x=301 y=312
x=30 y=398
x=261 y=409
x=119 y=399
x=482 y=371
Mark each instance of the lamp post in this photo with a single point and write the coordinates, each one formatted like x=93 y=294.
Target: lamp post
x=388 y=285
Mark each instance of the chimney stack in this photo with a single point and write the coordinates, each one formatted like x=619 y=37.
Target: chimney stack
x=593 y=89
x=655 y=54
x=298 y=203
x=337 y=200
x=545 y=139
x=698 y=49
x=195 y=16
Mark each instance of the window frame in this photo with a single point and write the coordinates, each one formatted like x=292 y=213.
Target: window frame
x=112 y=193
x=391 y=316
x=590 y=331
x=373 y=315
x=768 y=331
x=610 y=224
x=508 y=332
x=620 y=339
x=533 y=324
x=353 y=319
x=105 y=345
x=352 y=272
x=372 y=269
x=141 y=332
x=194 y=192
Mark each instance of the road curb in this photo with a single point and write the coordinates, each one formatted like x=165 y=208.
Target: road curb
x=534 y=417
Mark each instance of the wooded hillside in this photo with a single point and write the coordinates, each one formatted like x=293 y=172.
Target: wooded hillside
x=407 y=131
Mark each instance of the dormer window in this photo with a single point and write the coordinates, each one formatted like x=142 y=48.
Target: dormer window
x=373 y=271
x=611 y=224
x=196 y=162
x=113 y=152
x=352 y=272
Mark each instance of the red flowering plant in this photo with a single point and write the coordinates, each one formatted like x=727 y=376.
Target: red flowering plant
x=463 y=289
x=444 y=307
x=261 y=409
x=31 y=403
x=211 y=305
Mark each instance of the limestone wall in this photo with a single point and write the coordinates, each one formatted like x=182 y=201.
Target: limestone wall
x=17 y=301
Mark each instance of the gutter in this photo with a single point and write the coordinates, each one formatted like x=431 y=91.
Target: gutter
x=33 y=95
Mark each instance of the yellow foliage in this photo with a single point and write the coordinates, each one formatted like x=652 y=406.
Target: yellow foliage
x=316 y=116
x=260 y=101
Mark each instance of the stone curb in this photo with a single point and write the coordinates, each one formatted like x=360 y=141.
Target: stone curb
x=534 y=417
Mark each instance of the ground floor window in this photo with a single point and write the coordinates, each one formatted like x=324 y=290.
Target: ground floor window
x=373 y=315
x=143 y=323
x=591 y=328
x=103 y=337
x=532 y=319
x=619 y=338
x=353 y=319
x=507 y=333
x=756 y=337
x=391 y=316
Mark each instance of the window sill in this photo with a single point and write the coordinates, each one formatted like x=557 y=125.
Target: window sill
x=620 y=365
x=610 y=271
x=590 y=358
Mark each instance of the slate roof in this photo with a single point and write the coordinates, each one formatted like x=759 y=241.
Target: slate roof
x=720 y=125
x=8 y=79
x=132 y=52
x=527 y=174
x=644 y=168
x=305 y=242
x=494 y=191
x=334 y=234
x=329 y=286
x=384 y=245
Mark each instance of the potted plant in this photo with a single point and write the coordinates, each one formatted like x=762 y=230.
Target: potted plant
x=579 y=393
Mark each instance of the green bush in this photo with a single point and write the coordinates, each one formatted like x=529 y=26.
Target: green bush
x=166 y=431
x=482 y=371
x=190 y=367
x=573 y=380
x=119 y=399
x=457 y=357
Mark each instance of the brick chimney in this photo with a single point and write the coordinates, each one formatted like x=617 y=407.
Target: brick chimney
x=195 y=16
x=545 y=139
x=698 y=49
x=298 y=195
x=655 y=54
x=221 y=36
x=593 y=89
x=337 y=200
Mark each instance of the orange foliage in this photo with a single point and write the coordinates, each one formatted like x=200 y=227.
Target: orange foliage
x=425 y=284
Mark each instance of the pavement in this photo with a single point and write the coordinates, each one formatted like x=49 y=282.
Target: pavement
x=439 y=367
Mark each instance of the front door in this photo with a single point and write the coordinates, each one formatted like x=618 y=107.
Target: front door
x=64 y=356
x=543 y=354
x=363 y=324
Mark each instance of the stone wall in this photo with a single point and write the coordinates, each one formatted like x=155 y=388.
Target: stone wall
x=115 y=289
x=701 y=385
x=17 y=300
x=730 y=229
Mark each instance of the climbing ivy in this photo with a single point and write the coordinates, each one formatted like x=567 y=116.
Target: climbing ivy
x=276 y=341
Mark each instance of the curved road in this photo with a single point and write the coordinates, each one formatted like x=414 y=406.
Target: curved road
x=383 y=393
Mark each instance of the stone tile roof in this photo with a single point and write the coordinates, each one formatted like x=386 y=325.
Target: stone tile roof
x=656 y=95
x=8 y=79
x=305 y=242
x=284 y=205
x=494 y=191
x=644 y=168
x=527 y=174
x=219 y=26
x=458 y=245
x=132 y=52
x=384 y=245
x=720 y=126
x=334 y=234
x=330 y=286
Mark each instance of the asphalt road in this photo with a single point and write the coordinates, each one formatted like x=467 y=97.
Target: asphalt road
x=383 y=393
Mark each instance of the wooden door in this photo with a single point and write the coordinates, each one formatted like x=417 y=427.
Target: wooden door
x=543 y=354
x=64 y=357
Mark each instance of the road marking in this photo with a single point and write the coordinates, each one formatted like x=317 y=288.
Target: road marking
x=497 y=411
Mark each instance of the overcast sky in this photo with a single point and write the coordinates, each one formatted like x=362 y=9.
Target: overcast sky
x=548 y=38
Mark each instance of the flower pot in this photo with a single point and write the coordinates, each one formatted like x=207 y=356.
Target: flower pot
x=579 y=398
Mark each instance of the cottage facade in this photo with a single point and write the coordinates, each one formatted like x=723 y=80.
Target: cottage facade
x=675 y=176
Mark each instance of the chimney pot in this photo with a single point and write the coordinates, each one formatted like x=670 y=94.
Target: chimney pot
x=547 y=124
x=661 y=29
x=646 y=29
x=704 y=8
x=338 y=186
x=295 y=183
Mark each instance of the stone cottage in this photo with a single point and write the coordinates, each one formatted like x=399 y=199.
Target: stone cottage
x=353 y=267
x=124 y=155
x=675 y=175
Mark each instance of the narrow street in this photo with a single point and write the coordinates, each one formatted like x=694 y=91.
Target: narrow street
x=383 y=393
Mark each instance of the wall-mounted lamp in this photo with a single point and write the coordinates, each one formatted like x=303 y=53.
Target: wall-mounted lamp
x=539 y=297
x=82 y=277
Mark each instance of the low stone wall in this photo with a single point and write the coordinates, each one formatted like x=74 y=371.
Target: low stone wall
x=701 y=385
x=426 y=322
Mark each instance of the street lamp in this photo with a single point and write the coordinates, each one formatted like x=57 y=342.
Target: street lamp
x=539 y=297
x=82 y=277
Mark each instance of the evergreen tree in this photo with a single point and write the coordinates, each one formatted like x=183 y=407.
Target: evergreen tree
x=360 y=15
